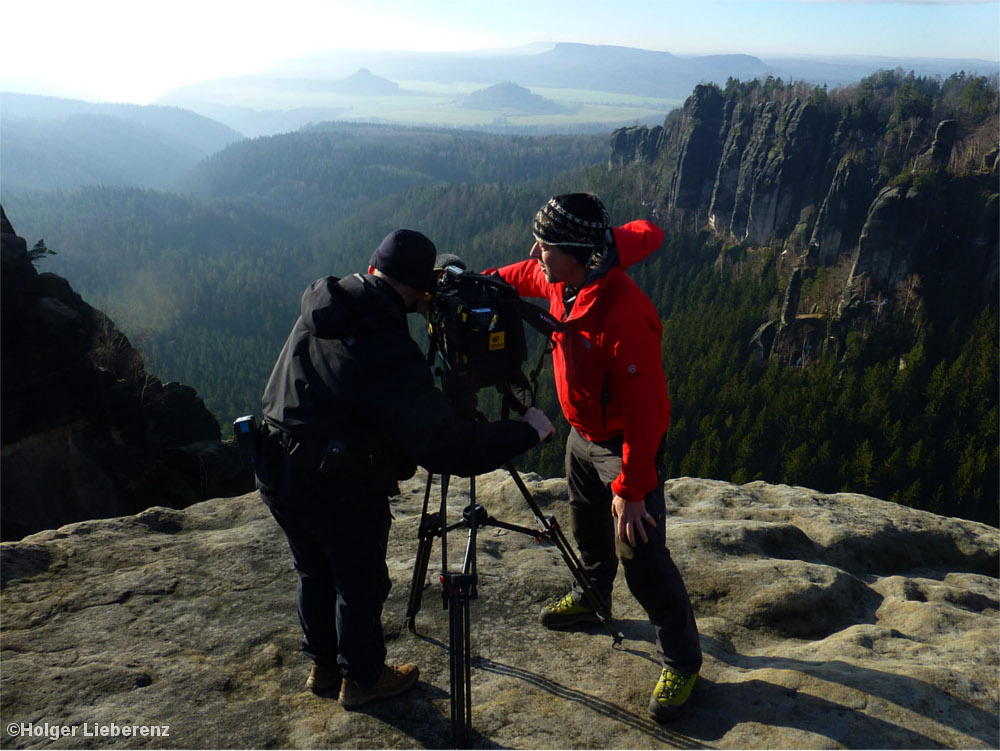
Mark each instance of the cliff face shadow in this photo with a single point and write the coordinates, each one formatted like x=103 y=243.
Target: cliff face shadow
x=772 y=704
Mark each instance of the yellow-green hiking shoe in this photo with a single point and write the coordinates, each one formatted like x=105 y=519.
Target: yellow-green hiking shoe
x=671 y=693
x=567 y=612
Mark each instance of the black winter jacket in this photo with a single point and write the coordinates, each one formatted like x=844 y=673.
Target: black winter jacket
x=350 y=371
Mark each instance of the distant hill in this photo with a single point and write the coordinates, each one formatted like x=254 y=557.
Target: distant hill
x=51 y=143
x=601 y=87
x=621 y=70
x=627 y=70
x=365 y=83
x=510 y=97
x=615 y=69
x=254 y=122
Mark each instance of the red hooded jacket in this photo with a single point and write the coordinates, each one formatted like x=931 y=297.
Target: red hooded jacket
x=608 y=361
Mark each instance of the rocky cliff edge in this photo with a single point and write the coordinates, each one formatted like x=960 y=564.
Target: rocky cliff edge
x=86 y=431
x=827 y=621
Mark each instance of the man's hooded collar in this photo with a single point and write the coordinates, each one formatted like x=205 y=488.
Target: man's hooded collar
x=335 y=308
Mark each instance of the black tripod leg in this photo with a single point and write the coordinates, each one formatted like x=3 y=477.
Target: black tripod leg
x=458 y=589
x=461 y=672
x=419 y=574
x=429 y=526
x=471 y=582
x=554 y=532
x=467 y=649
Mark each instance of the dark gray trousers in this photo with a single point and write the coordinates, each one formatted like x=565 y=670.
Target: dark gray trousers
x=651 y=574
x=338 y=533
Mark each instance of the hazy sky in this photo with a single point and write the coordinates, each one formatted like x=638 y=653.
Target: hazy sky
x=136 y=50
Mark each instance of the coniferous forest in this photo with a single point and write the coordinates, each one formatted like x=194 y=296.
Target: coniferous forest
x=206 y=277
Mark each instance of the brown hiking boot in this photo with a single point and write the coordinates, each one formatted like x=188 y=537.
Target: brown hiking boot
x=323 y=678
x=392 y=682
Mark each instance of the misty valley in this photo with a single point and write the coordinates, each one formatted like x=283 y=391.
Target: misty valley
x=828 y=282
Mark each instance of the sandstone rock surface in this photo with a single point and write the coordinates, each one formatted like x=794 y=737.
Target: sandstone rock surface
x=827 y=621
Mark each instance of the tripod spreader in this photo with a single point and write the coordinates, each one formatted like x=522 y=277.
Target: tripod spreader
x=430 y=527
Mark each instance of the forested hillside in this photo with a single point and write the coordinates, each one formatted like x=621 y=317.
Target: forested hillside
x=209 y=286
x=893 y=393
x=51 y=143
x=329 y=171
x=909 y=414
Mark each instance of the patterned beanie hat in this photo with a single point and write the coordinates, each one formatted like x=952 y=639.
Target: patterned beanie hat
x=577 y=223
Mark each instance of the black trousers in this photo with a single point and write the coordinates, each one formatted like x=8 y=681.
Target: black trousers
x=338 y=534
x=650 y=572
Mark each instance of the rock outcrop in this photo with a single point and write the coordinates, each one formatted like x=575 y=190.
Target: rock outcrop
x=827 y=621
x=785 y=165
x=86 y=431
x=636 y=141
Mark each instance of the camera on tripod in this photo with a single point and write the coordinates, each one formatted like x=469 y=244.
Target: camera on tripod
x=475 y=326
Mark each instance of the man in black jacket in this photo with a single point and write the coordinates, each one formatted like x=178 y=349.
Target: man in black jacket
x=351 y=408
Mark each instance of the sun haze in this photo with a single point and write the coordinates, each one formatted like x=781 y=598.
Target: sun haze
x=124 y=50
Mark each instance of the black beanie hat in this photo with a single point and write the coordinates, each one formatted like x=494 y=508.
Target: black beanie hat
x=408 y=257
x=577 y=223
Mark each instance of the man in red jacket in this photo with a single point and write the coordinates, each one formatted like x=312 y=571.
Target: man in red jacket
x=609 y=377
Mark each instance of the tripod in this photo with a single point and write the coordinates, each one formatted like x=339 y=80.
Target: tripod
x=475 y=325
x=459 y=588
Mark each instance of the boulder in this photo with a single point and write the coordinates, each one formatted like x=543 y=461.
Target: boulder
x=843 y=211
x=634 y=143
x=891 y=240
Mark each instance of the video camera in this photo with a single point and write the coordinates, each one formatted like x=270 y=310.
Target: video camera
x=475 y=324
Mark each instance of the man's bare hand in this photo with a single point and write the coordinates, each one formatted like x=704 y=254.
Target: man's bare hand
x=537 y=419
x=631 y=516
